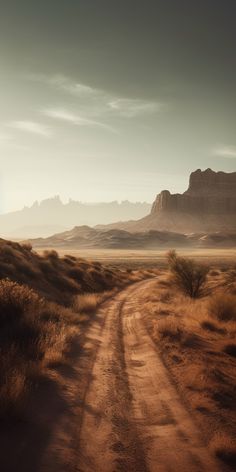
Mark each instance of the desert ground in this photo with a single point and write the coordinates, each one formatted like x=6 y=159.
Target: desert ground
x=127 y=258
x=122 y=366
x=137 y=419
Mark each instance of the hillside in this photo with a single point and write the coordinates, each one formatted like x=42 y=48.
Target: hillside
x=56 y=279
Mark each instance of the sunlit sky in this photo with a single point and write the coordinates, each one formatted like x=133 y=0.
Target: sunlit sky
x=106 y=99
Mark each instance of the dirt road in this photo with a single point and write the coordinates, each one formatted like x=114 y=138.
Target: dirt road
x=133 y=418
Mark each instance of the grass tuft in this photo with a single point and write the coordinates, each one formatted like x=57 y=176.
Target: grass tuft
x=222 y=306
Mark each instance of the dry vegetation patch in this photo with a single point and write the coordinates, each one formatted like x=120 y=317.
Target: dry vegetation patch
x=33 y=333
x=196 y=339
x=46 y=303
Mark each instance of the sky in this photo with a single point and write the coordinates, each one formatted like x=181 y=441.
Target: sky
x=106 y=100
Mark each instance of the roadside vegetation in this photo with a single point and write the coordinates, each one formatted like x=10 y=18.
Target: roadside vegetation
x=45 y=304
x=195 y=331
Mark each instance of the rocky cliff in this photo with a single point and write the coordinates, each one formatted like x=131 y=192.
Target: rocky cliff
x=208 y=205
x=209 y=193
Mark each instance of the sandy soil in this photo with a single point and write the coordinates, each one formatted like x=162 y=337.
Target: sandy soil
x=133 y=418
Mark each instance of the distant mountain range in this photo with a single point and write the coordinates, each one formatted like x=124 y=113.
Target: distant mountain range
x=203 y=216
x=51 y=216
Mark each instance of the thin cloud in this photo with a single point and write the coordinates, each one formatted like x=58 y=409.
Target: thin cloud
x=228 y=152
x=95 y=102
x=31 y=127
x=130 y=108
x=77 y=120
x=65 y=84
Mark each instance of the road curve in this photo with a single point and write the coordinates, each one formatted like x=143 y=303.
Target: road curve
x=133 y=418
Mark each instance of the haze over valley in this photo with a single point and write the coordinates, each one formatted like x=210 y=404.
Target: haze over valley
x=51 y=216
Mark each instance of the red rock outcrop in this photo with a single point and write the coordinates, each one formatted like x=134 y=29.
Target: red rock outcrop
x=209 y=192
x=208 y=205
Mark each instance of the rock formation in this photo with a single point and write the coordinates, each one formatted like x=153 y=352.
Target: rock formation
x=206 y=213
x=208 y=205
x=209 y=193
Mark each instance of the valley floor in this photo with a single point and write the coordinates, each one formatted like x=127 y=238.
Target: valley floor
x=149 y=258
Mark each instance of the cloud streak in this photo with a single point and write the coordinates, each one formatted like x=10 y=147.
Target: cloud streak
x=67 y=116
x=95 y=102
x=63 y=83
x=32 y=127
x=130 y=108
x=228 y=152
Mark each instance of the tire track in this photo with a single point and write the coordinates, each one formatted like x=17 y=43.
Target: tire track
x=133 y=418
x=108 y=438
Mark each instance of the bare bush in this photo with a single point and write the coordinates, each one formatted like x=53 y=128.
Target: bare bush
x=187 y=275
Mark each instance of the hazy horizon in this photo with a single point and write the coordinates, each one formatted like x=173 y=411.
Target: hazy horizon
x=114 y=101
x=68 y=200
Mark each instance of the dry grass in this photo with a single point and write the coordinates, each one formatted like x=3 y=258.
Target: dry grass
x=222 y=306
x=196 y=338
x=87 y=303
x=45 y=303
x=32 y=333
x=35 y=337
x=60 y=279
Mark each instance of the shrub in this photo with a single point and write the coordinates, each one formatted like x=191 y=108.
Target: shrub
x=187 y=275
x=27 y=246
x=15 y=300
x=222 y=306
